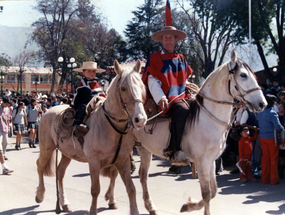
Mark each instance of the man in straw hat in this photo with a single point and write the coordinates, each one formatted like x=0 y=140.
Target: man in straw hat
x=86 y=90
x=165 y=75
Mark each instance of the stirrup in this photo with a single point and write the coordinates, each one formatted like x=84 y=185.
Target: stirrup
x=80 y=130
x=179 y=159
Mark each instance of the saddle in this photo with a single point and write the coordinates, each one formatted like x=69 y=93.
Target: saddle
x=151 y=108
x=64 y=121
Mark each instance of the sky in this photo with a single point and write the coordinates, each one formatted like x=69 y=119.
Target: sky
x=21 y=13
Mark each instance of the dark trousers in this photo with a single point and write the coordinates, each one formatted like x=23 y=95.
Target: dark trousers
x=179 y=113
x=81 y=100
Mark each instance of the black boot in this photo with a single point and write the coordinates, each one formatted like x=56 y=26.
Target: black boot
x=18 y=146
x=31 y=143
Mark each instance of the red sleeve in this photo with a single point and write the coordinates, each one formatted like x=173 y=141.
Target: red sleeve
x=240 y=148
x=254 y=137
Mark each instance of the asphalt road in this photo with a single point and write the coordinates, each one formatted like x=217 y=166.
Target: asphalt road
x=169 y=191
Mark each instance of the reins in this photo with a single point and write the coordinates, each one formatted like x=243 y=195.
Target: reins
x=128 y=121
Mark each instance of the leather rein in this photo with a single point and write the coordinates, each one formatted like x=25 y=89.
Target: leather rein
x=239 y=105
x=127 y=120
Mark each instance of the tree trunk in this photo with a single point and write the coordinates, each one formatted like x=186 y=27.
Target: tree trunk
x=264 y=62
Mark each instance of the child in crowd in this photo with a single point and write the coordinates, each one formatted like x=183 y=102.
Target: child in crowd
x=33 y=112
x=86 y=90
x=245 y=152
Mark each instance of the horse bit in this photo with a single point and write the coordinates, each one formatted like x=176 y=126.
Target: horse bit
x=242 y=103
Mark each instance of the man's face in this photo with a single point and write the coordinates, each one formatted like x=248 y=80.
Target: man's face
x=168 y=42
x=90 y=74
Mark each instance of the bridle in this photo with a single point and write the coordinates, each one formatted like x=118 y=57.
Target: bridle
x=242 y=93
x=124 y=108
x=128 y=120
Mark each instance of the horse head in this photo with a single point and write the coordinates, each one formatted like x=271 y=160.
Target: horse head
x=129 y=91
x=243 y=85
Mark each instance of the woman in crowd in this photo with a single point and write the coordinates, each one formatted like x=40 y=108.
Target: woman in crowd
x=19 y=120
x=268 y=121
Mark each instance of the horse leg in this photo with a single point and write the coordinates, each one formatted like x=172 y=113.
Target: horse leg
x=45 y=166
x=94 y=168
x=112 y=173
x=124 y=168
x=145 y=157
x=64 y=162
x=204 y=174
x=213 y=182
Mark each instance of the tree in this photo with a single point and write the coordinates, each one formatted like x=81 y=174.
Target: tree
x=212 y=40
x=147 y=20
x=21 y=60
x=267 y=27
x=50 y=31
x=72 y=28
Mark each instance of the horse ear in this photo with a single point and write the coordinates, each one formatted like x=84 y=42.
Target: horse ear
x=117 y=67
x=137 y=67
x=233 y=59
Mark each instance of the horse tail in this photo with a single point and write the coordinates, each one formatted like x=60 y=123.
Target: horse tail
x=109 y=171
x=50 y=166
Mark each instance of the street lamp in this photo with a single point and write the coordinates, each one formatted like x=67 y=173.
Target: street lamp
x=71 y=65
x=66 y=64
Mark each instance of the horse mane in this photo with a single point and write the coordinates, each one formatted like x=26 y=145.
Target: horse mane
x=194 y=101
x=194 y=108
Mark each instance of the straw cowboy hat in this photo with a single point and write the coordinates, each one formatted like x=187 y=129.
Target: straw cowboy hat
x=157 y=36
x=89 y=65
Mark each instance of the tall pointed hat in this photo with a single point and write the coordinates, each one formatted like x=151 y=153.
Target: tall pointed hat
x=168 y=29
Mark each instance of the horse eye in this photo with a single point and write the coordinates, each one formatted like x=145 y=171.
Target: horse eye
x=123 y=89
x=243 y=75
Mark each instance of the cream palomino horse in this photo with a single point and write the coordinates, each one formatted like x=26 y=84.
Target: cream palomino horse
x=109 y=123
x=206 y=129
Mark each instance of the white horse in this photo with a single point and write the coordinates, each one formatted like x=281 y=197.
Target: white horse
x=109 y=140
x=206 y=128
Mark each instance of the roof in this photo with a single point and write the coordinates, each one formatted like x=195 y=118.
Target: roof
x=27 y=70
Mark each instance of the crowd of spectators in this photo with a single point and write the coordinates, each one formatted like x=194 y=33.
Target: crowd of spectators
x=20 y=113
x=267 y=160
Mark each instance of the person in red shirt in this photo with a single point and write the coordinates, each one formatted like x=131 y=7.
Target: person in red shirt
x=86 y=90
x=245 y=152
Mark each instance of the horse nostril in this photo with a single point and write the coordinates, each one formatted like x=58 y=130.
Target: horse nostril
x=261 y=105
x=137 y=120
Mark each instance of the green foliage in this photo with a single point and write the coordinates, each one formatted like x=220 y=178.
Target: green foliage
x=147 y=20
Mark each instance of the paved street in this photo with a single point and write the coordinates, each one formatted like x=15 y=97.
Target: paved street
x=169 y=192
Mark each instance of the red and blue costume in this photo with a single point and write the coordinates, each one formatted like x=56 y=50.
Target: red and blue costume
x=172 y=70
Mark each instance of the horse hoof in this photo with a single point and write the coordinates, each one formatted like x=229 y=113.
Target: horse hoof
x=65 y=208
x=152 y=213
x=184 y=208
x=113 y=206
x=38 y=200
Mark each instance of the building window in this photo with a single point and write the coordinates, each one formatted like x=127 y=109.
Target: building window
x=11 y=79
x=50 y=79
x=19 y=78
x=34 y=78
x=44 y=79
